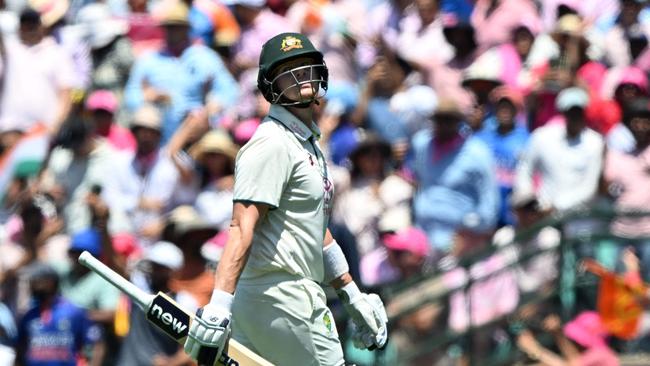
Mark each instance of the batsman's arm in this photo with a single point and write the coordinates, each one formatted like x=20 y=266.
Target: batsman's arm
x=244 y=218
x=212 y=326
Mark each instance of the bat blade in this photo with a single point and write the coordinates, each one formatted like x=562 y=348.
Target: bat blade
x=163 y=312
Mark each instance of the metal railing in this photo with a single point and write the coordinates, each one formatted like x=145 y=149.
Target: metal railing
x=404 y=298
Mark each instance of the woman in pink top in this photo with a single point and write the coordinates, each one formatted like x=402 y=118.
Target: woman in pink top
x=494 y=20
x=102 y=105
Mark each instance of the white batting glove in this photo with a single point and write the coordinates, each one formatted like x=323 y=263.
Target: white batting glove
x=368 y=316
x=210 y=330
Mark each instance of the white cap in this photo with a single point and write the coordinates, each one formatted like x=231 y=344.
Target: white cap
x=571 y=97
x=165 y=254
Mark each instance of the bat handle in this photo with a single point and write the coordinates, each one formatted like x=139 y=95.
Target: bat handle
x=137 y=295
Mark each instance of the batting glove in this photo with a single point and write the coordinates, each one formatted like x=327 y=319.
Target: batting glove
x=368 y=316
x=210 y=330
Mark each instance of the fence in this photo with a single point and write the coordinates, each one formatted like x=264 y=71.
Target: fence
x=584 y=232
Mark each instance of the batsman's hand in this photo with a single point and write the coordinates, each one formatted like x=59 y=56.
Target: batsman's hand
x=210 y=330
x=367 y=315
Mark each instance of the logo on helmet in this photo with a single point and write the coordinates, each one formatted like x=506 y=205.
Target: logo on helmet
x=289 y=43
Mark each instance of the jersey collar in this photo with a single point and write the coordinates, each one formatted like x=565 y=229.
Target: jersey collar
x=296 y=126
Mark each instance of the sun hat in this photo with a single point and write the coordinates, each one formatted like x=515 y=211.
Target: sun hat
x=448 y=107
x=185 y=219
x=165 y=254
x=174 y=13
x=147 y=116
x=99 y=26
x=215 y=141
x=51 y=11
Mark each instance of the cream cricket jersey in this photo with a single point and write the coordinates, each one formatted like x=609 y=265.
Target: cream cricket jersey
x=283 y=166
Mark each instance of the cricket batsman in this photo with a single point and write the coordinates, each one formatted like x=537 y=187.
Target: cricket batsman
x=279 y=251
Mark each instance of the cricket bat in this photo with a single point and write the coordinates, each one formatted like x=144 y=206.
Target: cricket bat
x=168 y=316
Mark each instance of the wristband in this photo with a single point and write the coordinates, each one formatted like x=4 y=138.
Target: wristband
x=334 y=263
x=349 y=293
x=222 y=299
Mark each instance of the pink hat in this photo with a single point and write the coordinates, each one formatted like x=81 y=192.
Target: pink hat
x=410 y=239
x=125 y=244
x=509 y=93
x=635 y=76
x=587 y=330
x=102 y=99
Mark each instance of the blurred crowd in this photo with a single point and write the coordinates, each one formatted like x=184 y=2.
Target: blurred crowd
x=451 y=126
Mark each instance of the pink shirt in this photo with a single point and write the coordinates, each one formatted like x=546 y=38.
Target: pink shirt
x=35 y=75
x=496 y=28
x=422 y=43
x=631 y=173
x=121 y=138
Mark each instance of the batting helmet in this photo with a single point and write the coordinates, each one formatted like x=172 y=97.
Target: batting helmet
x=283 y=48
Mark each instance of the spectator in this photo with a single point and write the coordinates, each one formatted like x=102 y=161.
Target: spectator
x=215 y=156
x=180 y=78
x=145 y=344
x=142 y=184
x=38 y=73
x=421 y=39
x=623 y=43
x=188 y=231
x=582 y=342
x=625 y=176
x=383 y=29
x=144 y=31
x=456 y=182
x=83 y=287
x=42 y=338
x=567 y=156
x=494 y=20
x=29 y=232
x=515 y=54
x=102 y=106
x=537 y=272
x=507 y=136
x=385 y=78
x=630 y=83
x=111 y=52
x=75 y=166
x=402 y=256
x=371 y=190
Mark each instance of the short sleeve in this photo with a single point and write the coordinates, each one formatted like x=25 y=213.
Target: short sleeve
x=262 y=171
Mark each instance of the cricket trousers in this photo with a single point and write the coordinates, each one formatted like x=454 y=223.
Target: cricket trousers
x=285 y=319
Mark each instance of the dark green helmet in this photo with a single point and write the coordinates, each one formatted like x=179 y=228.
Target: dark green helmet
x=283 y=48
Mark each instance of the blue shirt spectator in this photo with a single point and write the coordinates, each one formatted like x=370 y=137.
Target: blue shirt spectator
x=57 y=336
x=457 y=184
x=507 y=137
x=506 y=149
x=181 y=77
